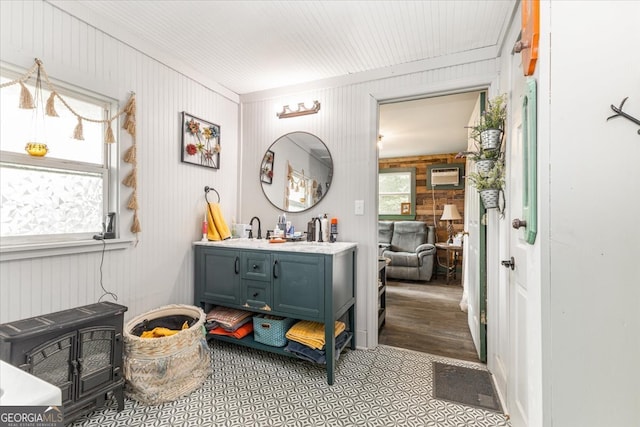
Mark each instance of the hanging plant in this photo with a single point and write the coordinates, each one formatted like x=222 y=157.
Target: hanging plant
x=489 y=184
x=493 y=180
x=490 y=127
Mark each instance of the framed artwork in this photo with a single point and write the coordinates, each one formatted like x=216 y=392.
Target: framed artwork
x=405 y=208
x=266 y=169
x=200 y=142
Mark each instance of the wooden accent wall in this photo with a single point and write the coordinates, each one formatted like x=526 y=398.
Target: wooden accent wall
x=425 y=196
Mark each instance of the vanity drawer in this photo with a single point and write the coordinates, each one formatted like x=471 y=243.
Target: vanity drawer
x=256 y=266
x=257 y=294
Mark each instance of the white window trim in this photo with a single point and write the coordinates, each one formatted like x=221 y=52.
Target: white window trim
x=27 y=250
x=40 y=250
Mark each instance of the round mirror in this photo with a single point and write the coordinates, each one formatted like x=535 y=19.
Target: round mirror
x=296 y=172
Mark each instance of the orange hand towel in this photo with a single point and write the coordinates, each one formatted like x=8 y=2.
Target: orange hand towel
x=239 y=333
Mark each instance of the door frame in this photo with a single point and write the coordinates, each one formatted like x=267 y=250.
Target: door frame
x=482 y=82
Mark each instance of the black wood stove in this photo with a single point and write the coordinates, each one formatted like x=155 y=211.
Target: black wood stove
x=78 y=350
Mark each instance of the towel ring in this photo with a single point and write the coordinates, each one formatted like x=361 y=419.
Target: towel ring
x=206 y=191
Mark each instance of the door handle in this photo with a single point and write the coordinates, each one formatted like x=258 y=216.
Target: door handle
x=517 y=223
x=509 y=263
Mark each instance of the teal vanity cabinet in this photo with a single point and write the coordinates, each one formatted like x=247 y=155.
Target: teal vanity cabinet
x=298 y=285
x=296 y=280
x=216 y=276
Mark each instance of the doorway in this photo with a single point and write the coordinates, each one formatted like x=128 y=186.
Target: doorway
x=416 y=133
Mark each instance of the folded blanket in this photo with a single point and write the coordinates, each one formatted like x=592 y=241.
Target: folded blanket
x=311 y=334
x=317 y=356
x=238 y=324
x=239 y=333
x=227 y=317
x=217 y=226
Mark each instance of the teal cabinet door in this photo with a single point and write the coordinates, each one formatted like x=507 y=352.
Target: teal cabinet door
x=219 y=277
x=298 y=285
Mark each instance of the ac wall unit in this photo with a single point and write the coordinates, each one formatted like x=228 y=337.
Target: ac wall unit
x=445 y=176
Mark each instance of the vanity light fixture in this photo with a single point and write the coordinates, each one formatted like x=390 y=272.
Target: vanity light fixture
x=301 y=110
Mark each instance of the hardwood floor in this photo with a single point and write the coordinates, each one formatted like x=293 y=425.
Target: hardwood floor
x=426 y=317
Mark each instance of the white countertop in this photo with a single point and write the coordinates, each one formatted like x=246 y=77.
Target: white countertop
x=325 y=248
x=20 y=388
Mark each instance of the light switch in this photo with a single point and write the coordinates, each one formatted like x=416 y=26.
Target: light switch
x=359 y=207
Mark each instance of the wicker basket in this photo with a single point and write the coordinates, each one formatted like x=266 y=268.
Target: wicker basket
x=159 y=370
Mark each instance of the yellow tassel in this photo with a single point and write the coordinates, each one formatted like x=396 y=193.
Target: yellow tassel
x=51 y=108
x=133 y=202
x=130 y=155
x=130 y=180
x=26 y=100
x=77 y=132
x=130 y=108
x=108 y=135
x=135 y=227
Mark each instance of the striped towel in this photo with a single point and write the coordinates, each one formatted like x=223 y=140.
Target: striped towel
x=311 y=334
x=227 y=317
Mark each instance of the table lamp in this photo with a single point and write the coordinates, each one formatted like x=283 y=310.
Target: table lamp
x=449 y=214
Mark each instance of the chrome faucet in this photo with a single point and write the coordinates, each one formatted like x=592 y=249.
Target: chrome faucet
x=320 y=228
x=251 y=228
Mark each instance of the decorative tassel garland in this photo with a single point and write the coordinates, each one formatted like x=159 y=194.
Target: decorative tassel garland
x=51 y=108
x=133 y=202
x=130 y=108
x=130 y=155
x=135 y=227
x=130 y=180
x=26 y=100
x=130 y=124
x=108 y=135
x=77 y=132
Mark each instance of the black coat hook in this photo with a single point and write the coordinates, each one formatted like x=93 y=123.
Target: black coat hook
x=620 y=113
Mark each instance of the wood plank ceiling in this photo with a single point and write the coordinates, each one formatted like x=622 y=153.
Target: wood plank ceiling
x=250 y=46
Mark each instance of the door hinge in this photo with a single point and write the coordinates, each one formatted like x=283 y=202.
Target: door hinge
x=483 y=317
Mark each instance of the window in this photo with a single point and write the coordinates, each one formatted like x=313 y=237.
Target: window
x=396 y=188
x=65 y=195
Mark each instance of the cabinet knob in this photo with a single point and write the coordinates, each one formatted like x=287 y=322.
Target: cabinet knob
x=255 y=294
x=255 y=266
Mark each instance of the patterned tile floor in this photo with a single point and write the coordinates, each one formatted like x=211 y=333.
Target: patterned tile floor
x=382 y=387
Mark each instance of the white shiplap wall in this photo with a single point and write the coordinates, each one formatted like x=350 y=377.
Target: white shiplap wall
x=347 y=124
x=159 y=270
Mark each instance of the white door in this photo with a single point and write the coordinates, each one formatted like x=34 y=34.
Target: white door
x=522 y=254
x=471 y=248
